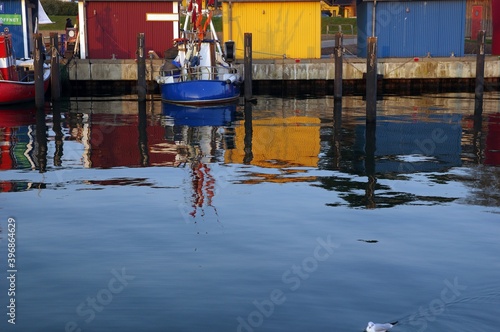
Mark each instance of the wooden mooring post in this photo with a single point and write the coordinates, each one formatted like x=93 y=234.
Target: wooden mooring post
x=371 y=80
x=141 y=68
x=479 y=89
x=38 y=71
x=248 y=66
x=55 y=78
x=338 y=57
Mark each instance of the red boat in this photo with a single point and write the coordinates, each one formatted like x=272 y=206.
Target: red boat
x=17 y=84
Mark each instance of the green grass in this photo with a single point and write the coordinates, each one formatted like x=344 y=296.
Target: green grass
x=217 y=21
x=60 y=23
x=334 y=22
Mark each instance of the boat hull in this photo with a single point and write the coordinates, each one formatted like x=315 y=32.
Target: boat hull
x=200 y=92
x=13 y=92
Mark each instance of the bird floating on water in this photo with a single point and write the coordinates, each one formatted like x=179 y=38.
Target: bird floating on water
x=376 y=327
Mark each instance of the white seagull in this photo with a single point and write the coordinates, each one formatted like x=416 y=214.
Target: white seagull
x=376 y=327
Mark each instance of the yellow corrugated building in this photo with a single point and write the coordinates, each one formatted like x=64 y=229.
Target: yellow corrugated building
x=278 y=28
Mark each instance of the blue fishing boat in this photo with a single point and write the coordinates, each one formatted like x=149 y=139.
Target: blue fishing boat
x=201 y=73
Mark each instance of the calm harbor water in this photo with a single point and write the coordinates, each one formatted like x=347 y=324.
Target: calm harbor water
x=151 y=217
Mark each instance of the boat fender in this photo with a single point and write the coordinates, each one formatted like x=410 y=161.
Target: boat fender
x=230 y=78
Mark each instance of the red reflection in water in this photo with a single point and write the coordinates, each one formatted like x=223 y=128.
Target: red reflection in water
x=492 y=150
x=203 y=186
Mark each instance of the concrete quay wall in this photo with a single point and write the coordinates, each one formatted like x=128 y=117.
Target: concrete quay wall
x=352 y=69
x=303 y=69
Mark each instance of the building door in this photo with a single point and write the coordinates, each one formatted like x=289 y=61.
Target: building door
x=477 y=17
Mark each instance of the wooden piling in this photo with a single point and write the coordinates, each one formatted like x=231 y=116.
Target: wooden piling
x=338 y=57
x=248 y=66
x=55 y=78
x=38 y=71
x=371 y=80
x=141 y=68
x=479 y=89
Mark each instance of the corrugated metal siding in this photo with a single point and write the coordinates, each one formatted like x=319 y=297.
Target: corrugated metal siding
x=415 y=28
x=112 y=28
x=496 y=27
x=278 y=28
x=14 y=7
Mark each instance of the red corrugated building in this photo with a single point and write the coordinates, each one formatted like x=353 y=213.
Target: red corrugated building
x=109 y=28
x=495 y=4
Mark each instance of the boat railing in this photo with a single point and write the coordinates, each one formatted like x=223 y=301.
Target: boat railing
x=199 y=73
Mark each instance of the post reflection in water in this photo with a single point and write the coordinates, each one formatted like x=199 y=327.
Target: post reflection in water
x=41 y=141
x=143 y=134
x=337 y=133
x=370 y=147
x=58 y=134
x=248 y=133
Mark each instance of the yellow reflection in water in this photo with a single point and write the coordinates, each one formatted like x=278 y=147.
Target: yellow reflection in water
x=280 y=142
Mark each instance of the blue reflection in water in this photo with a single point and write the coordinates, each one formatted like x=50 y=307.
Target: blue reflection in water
x=194 y=116
x=146 y=218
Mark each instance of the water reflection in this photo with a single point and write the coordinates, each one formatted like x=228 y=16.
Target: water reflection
x=24 y=138
x=17 y=126
x=228 y=208
x=283 y=138
x=492 y=144
x=198 y=116
x=200 y=135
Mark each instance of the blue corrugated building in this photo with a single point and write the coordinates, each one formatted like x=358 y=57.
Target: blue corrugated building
x=413 y=28
x=20 y=17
